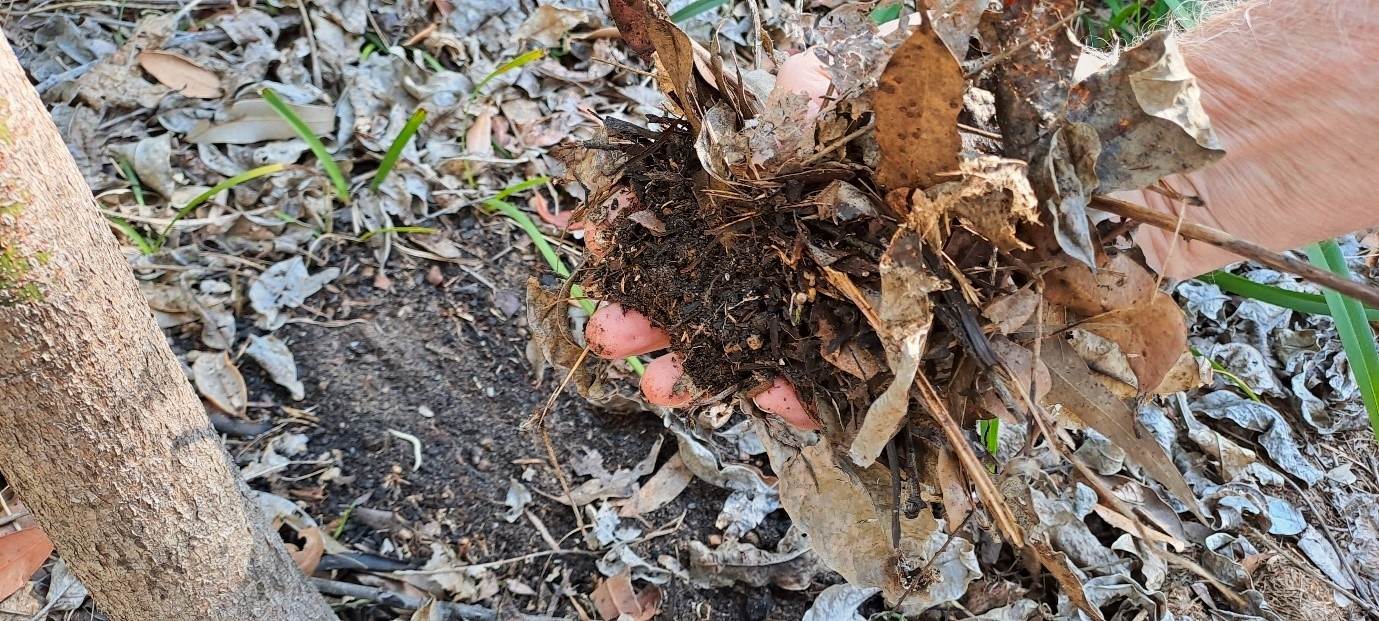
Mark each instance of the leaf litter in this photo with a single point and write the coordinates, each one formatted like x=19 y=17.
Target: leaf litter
x=868 y=251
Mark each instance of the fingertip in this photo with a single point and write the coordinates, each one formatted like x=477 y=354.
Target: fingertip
x=663 y=384
x=782 y=400
x=615 y=332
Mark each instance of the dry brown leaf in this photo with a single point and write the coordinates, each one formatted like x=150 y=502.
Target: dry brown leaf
x=906 y=315
x=633 y=18
x=1015 y=491
x=548 y=24
x=957 y=499
x=1080 y=394
x=1010 y=312
x=220 y=383
x=675 y=53
x=917 y=105
x=308 y=556
x=662 y=488
x=849 y=356
x=615 y=597
x=1152 y=335
x=1148 y=113
x=21 y=554
x=849 y=527
x=1186 y=374
x=1119 y=282
x=181 y=74
x=992 y=196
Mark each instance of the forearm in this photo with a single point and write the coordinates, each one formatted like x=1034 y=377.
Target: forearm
x=1293 y=92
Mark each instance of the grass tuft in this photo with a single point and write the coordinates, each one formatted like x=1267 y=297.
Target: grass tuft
x=337 y=178
x=395 y=150
x=520 y=61
x=1357 y=337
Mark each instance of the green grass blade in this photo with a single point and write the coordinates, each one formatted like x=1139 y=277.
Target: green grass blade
x=1310 y=303
x=1220 y=369
x=529 y=56
x=547 y=252
x=698 y=7
x=145 y=247
x=1357 y=337
x=134 y=184
x=395 y=149
x=990 y=432
x=886 y=13
x=420 y=230
x=219 y=187
x=337 y=178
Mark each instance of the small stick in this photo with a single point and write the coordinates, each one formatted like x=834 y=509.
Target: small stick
x=1247 y=249
x=997 y=58
x=449 y=610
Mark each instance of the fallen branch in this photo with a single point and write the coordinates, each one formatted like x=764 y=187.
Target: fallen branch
x=451 y=610
x=1247 y=249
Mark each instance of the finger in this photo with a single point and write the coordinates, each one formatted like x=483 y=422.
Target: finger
x=802 y=74
x=782 y=400
x=598 y=232
x=664 y=383
x=615 y=332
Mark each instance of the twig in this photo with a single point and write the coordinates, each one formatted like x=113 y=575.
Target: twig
x=1247 y=249
x=997 y=58
x=622 y=66
x=818 y=155
x=450 y=611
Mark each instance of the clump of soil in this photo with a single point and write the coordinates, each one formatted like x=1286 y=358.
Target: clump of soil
x=715 y=269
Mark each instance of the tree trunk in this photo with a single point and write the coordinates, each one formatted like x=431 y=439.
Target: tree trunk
x=99 y=428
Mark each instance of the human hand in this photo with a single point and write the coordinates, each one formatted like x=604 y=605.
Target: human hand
x=1290 y=90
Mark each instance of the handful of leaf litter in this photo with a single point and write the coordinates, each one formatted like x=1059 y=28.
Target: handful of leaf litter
x=914 y=262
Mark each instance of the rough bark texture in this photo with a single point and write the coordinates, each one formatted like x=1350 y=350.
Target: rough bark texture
x=99 y=428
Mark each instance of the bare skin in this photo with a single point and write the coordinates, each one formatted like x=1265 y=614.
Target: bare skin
x=1297 y=167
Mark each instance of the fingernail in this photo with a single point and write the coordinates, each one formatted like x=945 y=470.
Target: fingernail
x=782 y=400
x=614 y=332
x=663 y=382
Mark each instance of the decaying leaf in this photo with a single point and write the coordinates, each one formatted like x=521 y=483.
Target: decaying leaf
x=917 y=107
x=849 y=528
x=632 y=18
x=905 y=317
x=285 y=285
x=1147 y=111
x=791 y=566
x=1010 y=312
x=955 y=21
x=114 y=80
x=839 y=603
x=65 y=591
x=253 y=120
x=604 y=484
x=273 y=355
x=181 y=74
x=1068 y=179
x=548 y=320
x=661 y=489
x=1151 y=334
x=220 y=383
x=445 y=571
x=1078 y=392
x=991 y=198
x=617 y=600
x=548 y=24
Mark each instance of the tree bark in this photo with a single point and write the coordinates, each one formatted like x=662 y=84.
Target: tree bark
x=99 y=428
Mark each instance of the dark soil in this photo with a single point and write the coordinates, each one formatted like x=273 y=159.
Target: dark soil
x=719 y=271
x=457 y=349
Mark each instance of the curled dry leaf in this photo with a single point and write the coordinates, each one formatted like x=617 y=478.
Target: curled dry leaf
x=1079 y=393
x=1147 y=111
x=849 y=528
x=548 y=24
x=1011 y=311
x=1151 y=334
x=791 y=566
x=273 y=355
x=906 y=315
x=660 y=490
x=1067 y=178
x=181 y=74
x=633 y=18
x=617 y=600
x=220 y=383
x=917 y=105
x=991 y=198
